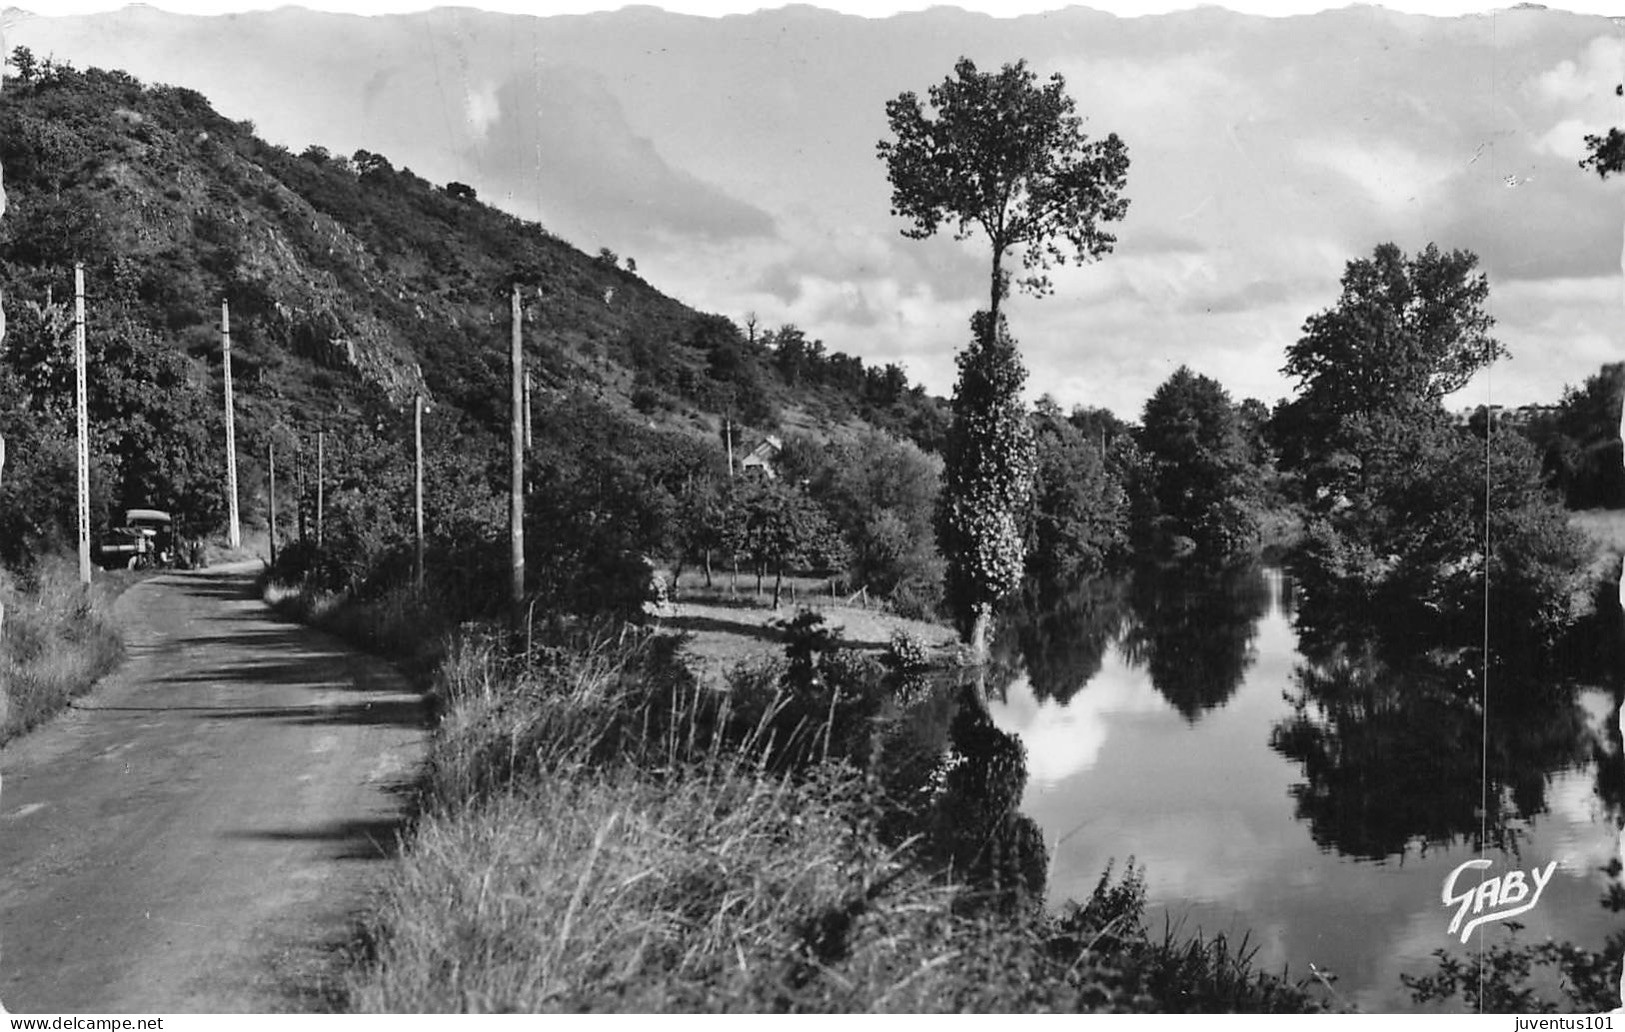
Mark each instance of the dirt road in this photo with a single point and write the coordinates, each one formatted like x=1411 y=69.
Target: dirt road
x=198 y=834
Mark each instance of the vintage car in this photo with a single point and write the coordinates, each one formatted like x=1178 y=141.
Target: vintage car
x=147 y=538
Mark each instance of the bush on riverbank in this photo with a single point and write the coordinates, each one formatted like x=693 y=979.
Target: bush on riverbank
x=58 y=641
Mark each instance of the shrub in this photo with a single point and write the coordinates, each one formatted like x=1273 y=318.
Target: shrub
x=58 y=642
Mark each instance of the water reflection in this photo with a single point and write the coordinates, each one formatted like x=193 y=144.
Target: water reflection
x=960 y=794
x=1193 y=632
x=1401 y=757
x=1291 y=767
x=1403 y=747
x=1057 y=637
x=1191 y=629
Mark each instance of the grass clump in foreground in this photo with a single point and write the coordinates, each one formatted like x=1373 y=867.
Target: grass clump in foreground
x=58 y=641
x=600 y=834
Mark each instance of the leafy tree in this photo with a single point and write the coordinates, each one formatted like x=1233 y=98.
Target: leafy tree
x=1099 y=426
x=368 y=164
x=882 y=493
x=782 y=527
x=1583 y=452
x=22 y=59
x=1605 y=153
x=1007 y=155
x=705 y=518
x=1405 y=332
x=1202 y=483
x=988 y=477
x=1079 y=517
x=1400 y=490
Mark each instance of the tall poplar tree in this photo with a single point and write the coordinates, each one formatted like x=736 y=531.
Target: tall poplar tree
x=1006 y=154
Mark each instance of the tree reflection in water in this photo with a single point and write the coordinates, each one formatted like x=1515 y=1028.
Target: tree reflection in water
x=1058 y=635
x=1536 y=977
x=1392 y=757
x=960 y=793
x=1393 y=740
x=1192 y=630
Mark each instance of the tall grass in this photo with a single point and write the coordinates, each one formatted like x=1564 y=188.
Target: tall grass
x=58 y=641
x=409 y=627
x=599 y=833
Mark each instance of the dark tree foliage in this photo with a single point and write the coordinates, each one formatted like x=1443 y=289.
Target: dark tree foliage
x=1079 y=517
x=1405 y=332
x=605 y=496
x=1605 y=153
x=1005 y=154
x=1403 y=498
x=882 y=493
x=781 y=528
x=1198 y=479
x=1581 y=444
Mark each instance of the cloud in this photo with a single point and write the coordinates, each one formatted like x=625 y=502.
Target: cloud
x=735 y=159
x=1063 y=740
x=1391 y=175
x=561 y=142
x=483 y=108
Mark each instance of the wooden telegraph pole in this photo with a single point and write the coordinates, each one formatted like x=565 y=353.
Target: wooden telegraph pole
x=299 y=495
x=417 y=441
x=270 y=460
x=234 y=532
x=321 y=457
x=84 y=419
x=527 y=410
x=516 y=457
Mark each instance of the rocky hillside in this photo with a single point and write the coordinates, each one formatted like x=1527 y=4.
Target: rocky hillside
x=353 y=285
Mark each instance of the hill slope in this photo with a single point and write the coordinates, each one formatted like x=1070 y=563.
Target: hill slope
x=353 y=285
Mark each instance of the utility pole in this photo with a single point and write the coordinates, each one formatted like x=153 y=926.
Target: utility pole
x=417 y=438
x=728 y=432
x=516 y=456
x=270 y=460
x=299 y=489
x=321 y=457
x=527 y=410
x=84 y=419
x=234 y=533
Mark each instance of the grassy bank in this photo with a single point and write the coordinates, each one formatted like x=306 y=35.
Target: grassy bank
x=597 y=830
x=601 y=834
x=58 y=640
x=407 y=627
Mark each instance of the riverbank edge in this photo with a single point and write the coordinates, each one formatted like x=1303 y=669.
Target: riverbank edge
x=518 y=893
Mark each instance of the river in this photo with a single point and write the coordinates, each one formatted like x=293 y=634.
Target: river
x=1307 y=790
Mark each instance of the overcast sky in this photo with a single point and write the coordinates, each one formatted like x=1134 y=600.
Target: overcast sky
x=734 y=159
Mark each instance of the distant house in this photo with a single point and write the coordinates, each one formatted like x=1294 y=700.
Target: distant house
x=762 y=457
